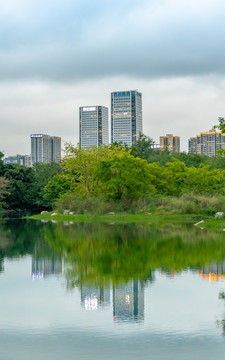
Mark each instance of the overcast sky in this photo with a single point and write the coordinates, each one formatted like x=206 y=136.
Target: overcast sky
x=58 y=55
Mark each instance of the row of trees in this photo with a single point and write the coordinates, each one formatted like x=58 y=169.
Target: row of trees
x=114 y=171
x=22 y=188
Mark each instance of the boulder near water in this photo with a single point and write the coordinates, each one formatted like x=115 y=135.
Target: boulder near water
x=219 y=215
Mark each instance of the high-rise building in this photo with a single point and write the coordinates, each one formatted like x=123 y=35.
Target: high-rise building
x=192 y=145
x=126 y=116
x=45 y=148
x=93 y=126
x=56 y=148
x=170 y=142
x=207 y=143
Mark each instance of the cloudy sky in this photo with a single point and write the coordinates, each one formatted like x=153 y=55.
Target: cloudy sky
x=58 y=55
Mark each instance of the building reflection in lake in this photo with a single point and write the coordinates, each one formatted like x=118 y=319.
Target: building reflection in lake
x=43 y=267
x=213 y=272
x=1 y=264
x=128 y=302
x=94 y=298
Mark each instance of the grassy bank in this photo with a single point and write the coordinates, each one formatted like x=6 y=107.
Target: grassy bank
x=156 y=210
x=213 y=224
x=153 y=219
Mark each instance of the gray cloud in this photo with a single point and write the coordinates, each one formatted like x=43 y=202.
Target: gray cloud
x=140 y=39
x=55 y=57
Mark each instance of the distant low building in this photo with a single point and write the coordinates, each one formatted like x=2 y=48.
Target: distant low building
x=170 y=142
x=155 y=146
x=24 y=160
x=207 y=143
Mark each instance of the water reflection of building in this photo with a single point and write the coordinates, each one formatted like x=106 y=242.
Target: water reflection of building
x=128 y=302
x=213 y=272
x=1 y=265
x=44 y=267
x=93 y=298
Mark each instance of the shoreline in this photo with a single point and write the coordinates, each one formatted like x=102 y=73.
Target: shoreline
x=154 y=219
x=123 y=218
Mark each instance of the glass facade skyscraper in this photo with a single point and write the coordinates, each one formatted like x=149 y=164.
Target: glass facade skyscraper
x=126 y=116
x=93 y=126
x=45 y=148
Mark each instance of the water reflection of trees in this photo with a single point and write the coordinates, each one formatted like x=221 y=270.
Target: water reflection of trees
x=103 y=254
x=24 y=237
x=99 y=255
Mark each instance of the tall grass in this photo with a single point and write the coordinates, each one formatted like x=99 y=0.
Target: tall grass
x=193 y=204
x=186 y=204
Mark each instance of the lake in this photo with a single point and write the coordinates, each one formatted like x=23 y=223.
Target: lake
x=94 y=291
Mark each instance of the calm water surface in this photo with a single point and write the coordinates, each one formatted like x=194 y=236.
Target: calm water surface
x=91 y=291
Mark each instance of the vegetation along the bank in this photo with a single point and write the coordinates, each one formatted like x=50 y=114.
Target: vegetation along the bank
x=117 y=179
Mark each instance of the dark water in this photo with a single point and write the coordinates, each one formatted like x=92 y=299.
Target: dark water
x=91 y=291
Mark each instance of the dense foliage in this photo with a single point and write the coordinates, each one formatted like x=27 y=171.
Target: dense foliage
x=113 y=172
x=22 y=188
x=105 y=254
x=111 y=176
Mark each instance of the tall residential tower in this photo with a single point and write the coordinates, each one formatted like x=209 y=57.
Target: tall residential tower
x=93 y=126
x=207 y=143
x=45 y=148
x=170 y=142
x=126 y=116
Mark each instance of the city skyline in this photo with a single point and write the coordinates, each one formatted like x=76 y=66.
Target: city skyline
x=18 y=158
x=55 y=57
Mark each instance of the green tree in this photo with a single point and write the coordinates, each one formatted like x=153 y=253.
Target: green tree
x=160 y=156
x=125 y=175
x=79 y=166
x=4 y=190
x=169 y=179
x=191 y=159
x=175 y=174
x=58 y=185
x=142 y=147
x=43 y=173
x=1 y=164
x=204 y=180
x=221 y=126
x=22 y=190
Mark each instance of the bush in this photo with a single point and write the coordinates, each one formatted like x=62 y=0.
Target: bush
x=199 y=204
x=89 y=204
x=102 y=205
